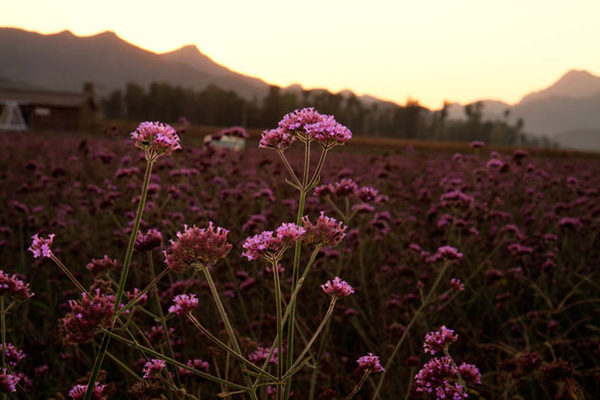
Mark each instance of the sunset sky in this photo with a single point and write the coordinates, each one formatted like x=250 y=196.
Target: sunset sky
x=429 y=50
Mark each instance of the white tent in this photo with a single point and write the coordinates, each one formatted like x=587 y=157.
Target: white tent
x=11 y=118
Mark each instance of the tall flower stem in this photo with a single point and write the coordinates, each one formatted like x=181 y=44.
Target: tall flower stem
x=359 y=385
x=174 y=362
x=161 y=315
x=226 y=348
x=69 y=274
x=277 y=287
x=123 y=279
x=228 y=327
x=408 y=327
x=314 y=337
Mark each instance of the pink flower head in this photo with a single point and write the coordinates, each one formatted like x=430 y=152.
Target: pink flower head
x=275 y=139
x=367 y=194
x=435 y=377
x=87 y=316
x=326 y=232
x=98 y=265
x=261 y=244
x=470 y=373
x=337 y=288
x=203 y=247
x=153 y=367
x=439 y=341
x=14 y=287
x=449 y=253
x=345 y=187
x=495 y=163
x=13 y=354
x=476 y=144
x=148 y=241
x=40 y=247
x=78 y=392
x=457 y=285
x=297 y=120
x=370 y=362
x=156 y=139
x=260 y=355
x=288 y=233
x=8 y=382
x=184 y=303
x=328 y=132
x=196 y=363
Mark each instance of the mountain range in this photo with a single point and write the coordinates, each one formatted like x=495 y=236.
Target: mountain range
x=568 y=111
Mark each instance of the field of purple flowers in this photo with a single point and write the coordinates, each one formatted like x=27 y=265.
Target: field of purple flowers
x=503 y=249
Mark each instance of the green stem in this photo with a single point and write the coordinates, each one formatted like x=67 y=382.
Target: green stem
x=279 y=325
x=228 y=327
x=226 y=348
x=405 y=333
x=176 y=363
x=161 y=316
x=328 y=315
x=3 y=337
x=124 y=273
x=137 y=298
x=359 y=385
x=69 y=274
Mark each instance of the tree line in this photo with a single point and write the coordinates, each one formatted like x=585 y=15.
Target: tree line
x=215 y=106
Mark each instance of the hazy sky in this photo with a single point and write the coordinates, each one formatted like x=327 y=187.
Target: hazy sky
x=429 y=50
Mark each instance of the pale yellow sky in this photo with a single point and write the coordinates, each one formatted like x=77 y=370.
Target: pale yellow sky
x=429 y=50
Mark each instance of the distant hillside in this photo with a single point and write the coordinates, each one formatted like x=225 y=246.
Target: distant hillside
x=64 y=61
x=573 y=84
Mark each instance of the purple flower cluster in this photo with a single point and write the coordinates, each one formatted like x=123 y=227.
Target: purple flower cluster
x=8 y=382
x=40 y=247
x=270 y=244
x=148 y=241
x=195 y=246
x=13 y=354
x=78 y=392
x=184 y=303
x=12 y=286
x=195 y=363
x=337 y=288
x=305 y=124
x=156 y=139
x=370 y=362
x=87 y=316
x=98 y=265
x=153 y=368
x=326 y=232
x=260 y=355
x=439 y=341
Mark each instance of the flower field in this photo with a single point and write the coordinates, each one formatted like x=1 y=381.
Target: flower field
x=333 y=274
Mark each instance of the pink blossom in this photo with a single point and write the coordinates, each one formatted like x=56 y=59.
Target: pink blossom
x=156 y=139
x=153 y=367
x=326 y=232
x=439 y=341
x=78 y=392
x=40 y=247
x=370 y=362
x=337 y=288
x=184 y=303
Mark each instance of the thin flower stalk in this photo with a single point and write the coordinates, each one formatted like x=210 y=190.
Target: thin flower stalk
x=155 y=354
x=227 y=323
x=3 y=337
x=359 y=385
x=141 y=294
x=294 y=368
x=277 y=288
x=226 y=348
x=408 y=327
x=123 y=279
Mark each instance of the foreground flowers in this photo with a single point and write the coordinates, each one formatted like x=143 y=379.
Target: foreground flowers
x=199 y=247
x=156 y=139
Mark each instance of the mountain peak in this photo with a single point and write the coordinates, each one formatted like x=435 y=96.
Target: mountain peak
x=573 y=84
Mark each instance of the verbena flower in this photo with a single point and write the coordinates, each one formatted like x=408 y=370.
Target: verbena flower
x=370 y=362
x=457 y=285
x=148 y=241
x=337 y=288
x=88 y=316
x=78 y=392
x=436 y=376
x=40 y=247
x=14 y=287
x=196 y=246
x=270 y=244
x=13 y=354
x=260 y=355
x=328 y=131
x=153 y=368
x=156 y=139
x=447 y=253
x=184 y=303
x=275 y=139
x=470 y=373
x=195 y=363
x=326 y=232
x=438 y=341
x=345 y=187
x=8 y=382
x=98 y=265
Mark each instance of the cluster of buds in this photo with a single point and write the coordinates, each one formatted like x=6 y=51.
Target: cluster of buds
x=271 y=245
x=155 y=139
x=88 y=316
